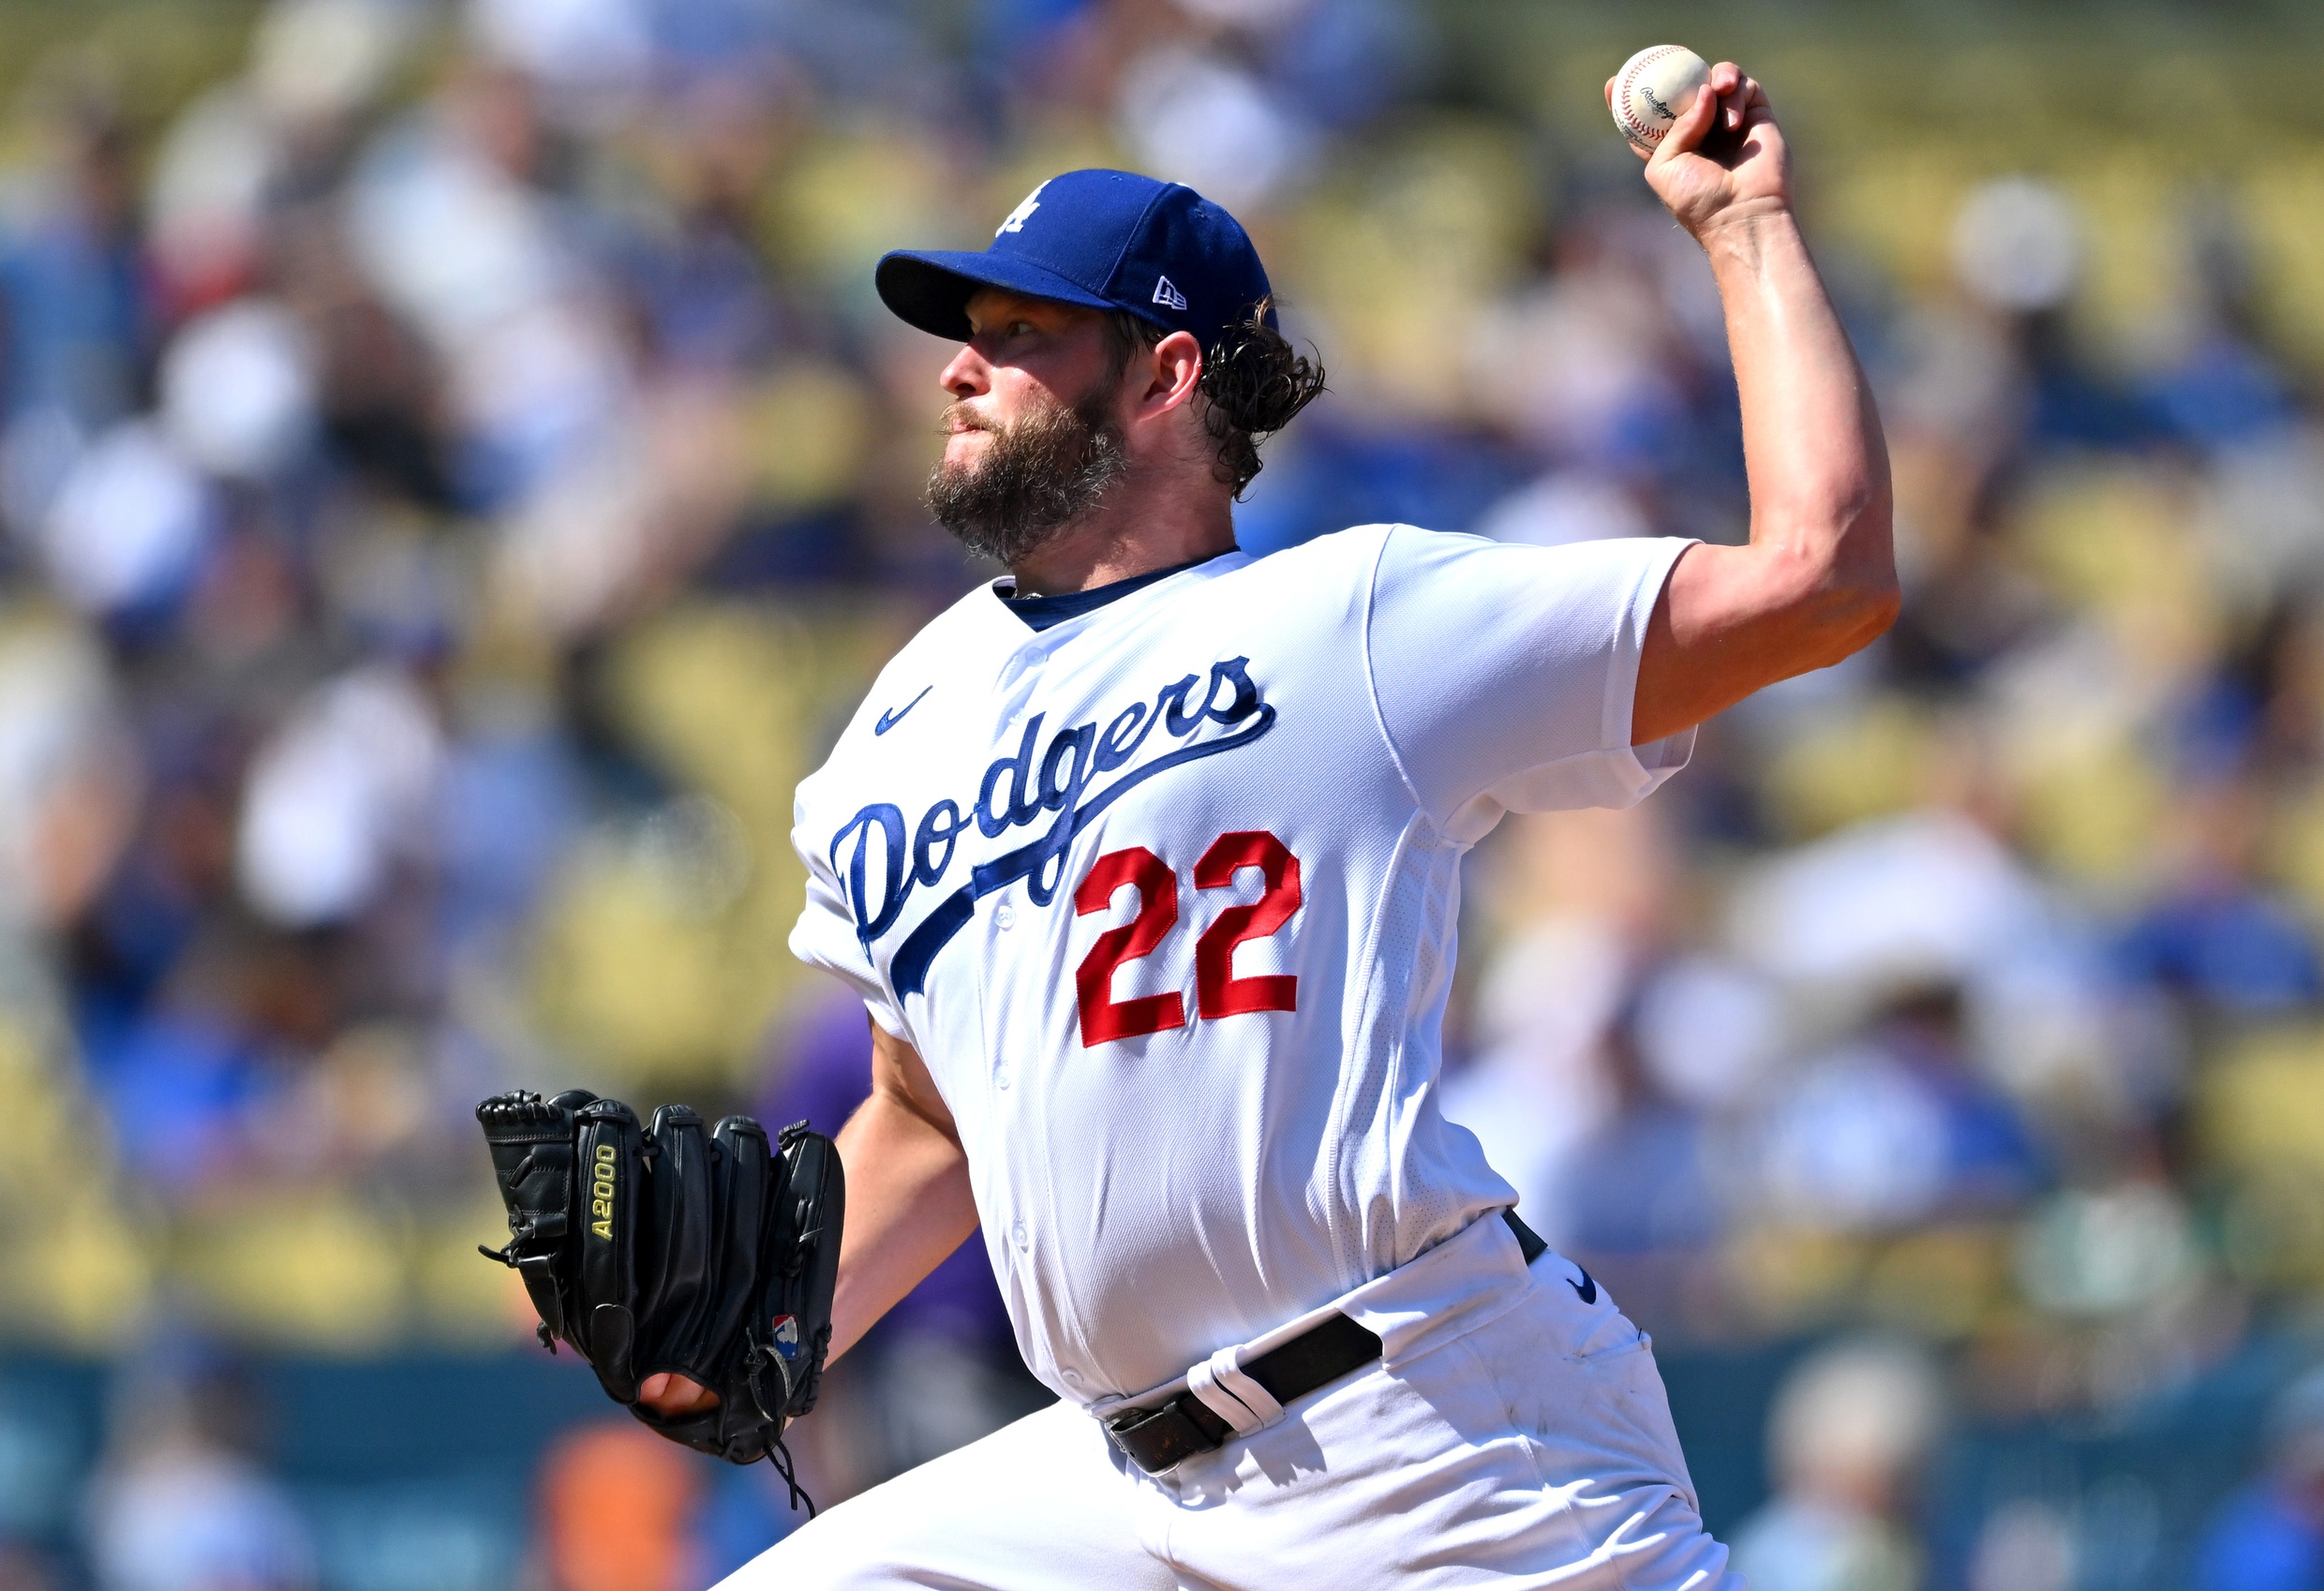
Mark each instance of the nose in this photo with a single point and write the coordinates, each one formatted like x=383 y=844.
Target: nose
x=967 y=376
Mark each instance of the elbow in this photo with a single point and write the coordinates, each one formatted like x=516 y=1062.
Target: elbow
x=1871 y=609
x=1846 y=623
x=1868 y=568
x=1850 y=590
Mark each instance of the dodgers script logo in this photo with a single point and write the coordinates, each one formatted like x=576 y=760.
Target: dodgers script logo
x=882 y=870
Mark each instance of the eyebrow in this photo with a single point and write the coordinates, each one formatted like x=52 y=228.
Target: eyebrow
x=1016 y=310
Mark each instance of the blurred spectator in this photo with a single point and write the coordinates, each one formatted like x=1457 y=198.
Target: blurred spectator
x=2213 y=936
x=2027 y=1545
x=616 y=1502
x=334 y=797
x=78 y=322
x=1849 y=1436
x=1897 y=1129
x=2269 y=1535
x=181 y=1505
x=1639 y=1196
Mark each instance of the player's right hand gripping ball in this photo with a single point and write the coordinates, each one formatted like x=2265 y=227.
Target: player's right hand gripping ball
x=710 y=1254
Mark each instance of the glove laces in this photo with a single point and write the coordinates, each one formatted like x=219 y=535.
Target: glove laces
x=779 y=1454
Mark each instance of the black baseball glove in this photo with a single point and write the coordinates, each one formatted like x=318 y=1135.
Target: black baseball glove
x=670 y=1248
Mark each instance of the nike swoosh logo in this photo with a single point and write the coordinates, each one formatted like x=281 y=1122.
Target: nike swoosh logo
x=890 y=719
x=1586 y=1287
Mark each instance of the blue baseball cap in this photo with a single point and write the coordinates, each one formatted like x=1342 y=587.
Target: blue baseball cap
x=1103 y=240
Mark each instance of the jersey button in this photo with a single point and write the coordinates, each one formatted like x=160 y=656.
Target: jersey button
x=1070 y=1378
x=1000 y=1077
x=1005 y=916
x=1023 y=1237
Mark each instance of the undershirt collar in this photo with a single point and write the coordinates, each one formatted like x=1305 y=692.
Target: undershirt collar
x=1039 y=613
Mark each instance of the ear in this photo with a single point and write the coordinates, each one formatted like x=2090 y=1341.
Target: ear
x=1170 y=371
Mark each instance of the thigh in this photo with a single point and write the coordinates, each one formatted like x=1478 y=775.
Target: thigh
x=1037 y=1506
x=1533 y=1451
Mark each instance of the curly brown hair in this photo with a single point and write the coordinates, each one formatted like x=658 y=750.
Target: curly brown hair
x=1253 y=382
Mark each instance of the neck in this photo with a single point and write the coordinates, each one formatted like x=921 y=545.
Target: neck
x=1121 y=545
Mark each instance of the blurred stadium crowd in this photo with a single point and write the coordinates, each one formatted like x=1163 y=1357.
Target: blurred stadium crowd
x=456 y=477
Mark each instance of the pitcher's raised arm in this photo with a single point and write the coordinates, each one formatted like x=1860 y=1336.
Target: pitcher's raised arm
x=1817 y=580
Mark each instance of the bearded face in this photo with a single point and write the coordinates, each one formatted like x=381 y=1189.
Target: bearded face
x=1039 y=473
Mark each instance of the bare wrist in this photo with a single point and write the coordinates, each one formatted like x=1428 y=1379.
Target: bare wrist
x=1743 y=229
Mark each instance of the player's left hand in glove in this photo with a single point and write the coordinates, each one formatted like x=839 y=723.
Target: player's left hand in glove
x=669 y=1249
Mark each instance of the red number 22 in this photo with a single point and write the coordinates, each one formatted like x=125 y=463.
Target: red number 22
x=1217 y=991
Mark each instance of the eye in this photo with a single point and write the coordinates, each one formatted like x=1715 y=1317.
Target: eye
x=1020 y=328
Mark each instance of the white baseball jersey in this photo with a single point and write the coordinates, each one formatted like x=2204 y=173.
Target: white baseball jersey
x=1165 y=895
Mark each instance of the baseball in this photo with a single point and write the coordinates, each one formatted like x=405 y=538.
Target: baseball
x=1653 y=88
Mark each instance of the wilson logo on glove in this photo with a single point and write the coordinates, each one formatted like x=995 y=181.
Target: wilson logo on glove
x=601 y=1203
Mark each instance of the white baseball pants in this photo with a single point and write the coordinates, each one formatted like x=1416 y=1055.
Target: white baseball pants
x=1520 y=1438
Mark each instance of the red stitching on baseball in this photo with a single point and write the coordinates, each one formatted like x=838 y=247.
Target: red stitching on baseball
x=1630 y=124
x=1637 y=67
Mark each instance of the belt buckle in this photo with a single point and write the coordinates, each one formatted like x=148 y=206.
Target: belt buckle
x=1160 y=1439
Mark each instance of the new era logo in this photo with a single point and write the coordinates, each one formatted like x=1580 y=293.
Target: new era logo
x=1167 y=295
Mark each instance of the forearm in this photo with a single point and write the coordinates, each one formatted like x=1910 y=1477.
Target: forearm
x=1818 y=579
x=908 y=1207
x=1812 y=450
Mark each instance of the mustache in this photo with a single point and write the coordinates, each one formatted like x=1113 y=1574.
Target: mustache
x=960 y=415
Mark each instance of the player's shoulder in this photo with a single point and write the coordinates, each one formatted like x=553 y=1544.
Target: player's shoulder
x=1365 y=558
x=1362 y=551
x=968 y=624
x=1344 y=571
x=936 y=652
x=1409 y=556
x=1323 y=566
x=1353 y=550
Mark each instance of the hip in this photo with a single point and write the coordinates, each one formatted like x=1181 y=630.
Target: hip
x=1530 y=1444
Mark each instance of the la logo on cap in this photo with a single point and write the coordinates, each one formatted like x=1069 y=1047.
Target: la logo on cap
x=1017 y=218
x=1167 y=295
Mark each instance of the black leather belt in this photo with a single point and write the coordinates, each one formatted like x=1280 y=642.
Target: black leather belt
x=1157 y=1439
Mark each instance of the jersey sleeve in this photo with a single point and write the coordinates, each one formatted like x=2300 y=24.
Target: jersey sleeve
x=1504 y=675
x=825 y=937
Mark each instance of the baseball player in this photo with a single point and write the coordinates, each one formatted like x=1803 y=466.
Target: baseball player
x=1145 y=860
